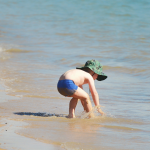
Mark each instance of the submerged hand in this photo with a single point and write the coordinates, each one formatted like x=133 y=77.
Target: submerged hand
x=100 y=111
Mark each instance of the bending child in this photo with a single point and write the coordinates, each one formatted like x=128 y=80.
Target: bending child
x=70 y=85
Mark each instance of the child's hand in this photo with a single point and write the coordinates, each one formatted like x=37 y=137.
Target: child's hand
x=100 y=111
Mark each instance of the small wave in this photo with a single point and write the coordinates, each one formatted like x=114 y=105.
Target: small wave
x=9 y=48
x=64 y=34
x=124 y=69
x=77 y=65
x=90 y=56
x=121 y=128
x=1 y=49
x=4 y=58
x=113 y=120
x=143 y=57
x=19 y=96
x=37 y=96
x=15 y=50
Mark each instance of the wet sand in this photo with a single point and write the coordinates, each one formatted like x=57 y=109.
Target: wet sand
x=10 y=127
x=11 y=139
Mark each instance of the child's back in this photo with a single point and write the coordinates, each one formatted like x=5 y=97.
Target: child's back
x=79 y=77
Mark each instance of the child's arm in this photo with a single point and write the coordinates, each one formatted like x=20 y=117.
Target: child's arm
x=95 y=95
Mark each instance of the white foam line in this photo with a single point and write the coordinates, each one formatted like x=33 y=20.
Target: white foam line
x=4 y=96
x=1 y=49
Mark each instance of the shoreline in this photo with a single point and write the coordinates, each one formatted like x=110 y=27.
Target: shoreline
x=10 y=127
x=9 y=130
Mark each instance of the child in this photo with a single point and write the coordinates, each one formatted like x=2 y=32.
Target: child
x=70 y=85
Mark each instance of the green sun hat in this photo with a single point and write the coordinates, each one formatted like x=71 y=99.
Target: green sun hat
x=95 y=66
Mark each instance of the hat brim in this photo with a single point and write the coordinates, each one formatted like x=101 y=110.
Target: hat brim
x=101 y=75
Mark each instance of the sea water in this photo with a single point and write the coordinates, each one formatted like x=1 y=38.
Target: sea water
x=40 y=40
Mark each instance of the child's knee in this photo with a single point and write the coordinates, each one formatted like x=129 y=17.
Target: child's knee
x=86 y=100
x=87 y=97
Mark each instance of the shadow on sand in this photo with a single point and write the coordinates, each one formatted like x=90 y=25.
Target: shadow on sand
x=39 y=114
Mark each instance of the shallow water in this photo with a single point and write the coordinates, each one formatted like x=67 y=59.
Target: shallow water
x=41 y=40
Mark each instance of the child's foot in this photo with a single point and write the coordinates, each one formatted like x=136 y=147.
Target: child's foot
x=91 y=115
x=71 y=116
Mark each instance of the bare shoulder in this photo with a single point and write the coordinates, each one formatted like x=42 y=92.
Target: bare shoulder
x=74 y=72
x=81 y=77
x=70 y=74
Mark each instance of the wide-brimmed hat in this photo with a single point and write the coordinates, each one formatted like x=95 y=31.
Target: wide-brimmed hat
x=95 y=66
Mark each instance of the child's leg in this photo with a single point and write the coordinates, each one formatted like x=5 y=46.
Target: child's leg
x=72 y=106
x=82 y=102
x=84 y=97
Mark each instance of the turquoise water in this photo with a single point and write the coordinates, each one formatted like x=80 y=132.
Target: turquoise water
x=40 y=40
